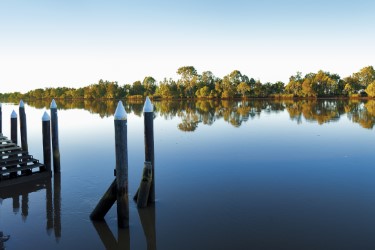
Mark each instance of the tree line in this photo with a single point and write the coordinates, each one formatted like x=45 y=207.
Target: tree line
x=190 y=84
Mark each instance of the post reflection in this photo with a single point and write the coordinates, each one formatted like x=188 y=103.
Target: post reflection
x=53 y=202
x=108 y=239
x=57 y=204
x=49 y=207
x=148 y=220
x=25 y=206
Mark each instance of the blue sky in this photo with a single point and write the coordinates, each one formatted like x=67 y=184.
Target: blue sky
x=76 y=43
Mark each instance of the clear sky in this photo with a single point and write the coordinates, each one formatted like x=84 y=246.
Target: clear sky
x=76 y=43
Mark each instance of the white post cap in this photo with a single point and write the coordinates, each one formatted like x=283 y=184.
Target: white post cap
x=53 y=104
x=22 y=105
x=13 y=114
x=148 y=106
x=45 y=117
x=120 y=113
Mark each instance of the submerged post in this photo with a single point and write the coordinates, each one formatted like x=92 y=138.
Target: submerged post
x=121 y=146
x=46 y=131
x=1 y=120
x=148 y=111
x=55 y=137
x=144 y=186
x=13 y=127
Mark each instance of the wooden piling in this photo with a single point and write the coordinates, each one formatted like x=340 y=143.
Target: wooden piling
x=1 y=120
x=121 y=151
x=145 y=186
x=23 y=127
x=148 y=112
x=13 y=127
x=23 y=130
x=55 y=137
x=13 y=136
x=46 y=131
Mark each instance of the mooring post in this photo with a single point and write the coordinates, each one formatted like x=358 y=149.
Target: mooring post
x=46 y=132
x=13 y=127
x=55 y=137
x=23 y=130
x=148 y=111
x=1 y=120
x=121 y=151
x=148 y=114
x=13 y=136
x=23 y=127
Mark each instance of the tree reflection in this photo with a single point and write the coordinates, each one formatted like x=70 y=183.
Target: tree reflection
x=206 y=112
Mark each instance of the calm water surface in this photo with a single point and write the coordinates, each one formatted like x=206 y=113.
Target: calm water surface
x=229 y=175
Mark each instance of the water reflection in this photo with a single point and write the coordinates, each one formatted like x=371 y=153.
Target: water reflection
x=147 y=218
x=193 y=113
x=53 y=207
x=107 y=238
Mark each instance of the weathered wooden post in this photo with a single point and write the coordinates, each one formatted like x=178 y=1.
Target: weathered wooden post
x=105 y=202
x=145 y=186
x=121 y=151
x=148 y=114
x=148 y=111
x=23 y=127
x=23 y=130
x=55 y=137
x=13 y=127
x=46 y=131
x=118 y=190
x=13 y=136
x=1 y=120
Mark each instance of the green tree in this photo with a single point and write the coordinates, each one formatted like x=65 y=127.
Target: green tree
x=295 y=85
x=149 y=85
x=137 y=88
x=365 y=76
x=243 y=88
x=370 y=90
x=189 y=79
